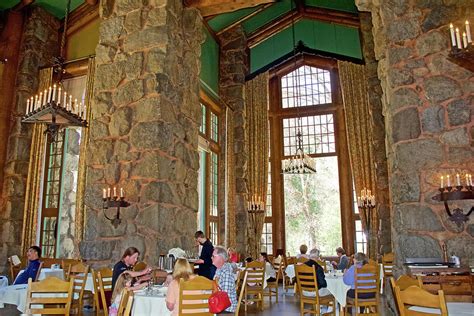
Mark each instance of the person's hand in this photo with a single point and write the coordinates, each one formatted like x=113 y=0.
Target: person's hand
x=199 y=261
x=126 y=272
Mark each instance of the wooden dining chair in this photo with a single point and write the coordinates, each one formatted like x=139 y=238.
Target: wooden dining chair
x=140 y=266
x=123 y=301
x=323 y=265
x=241 y=293
x=387 y=264
x=16 y=268
x=128 y=307
x=102 y=279
x=287 y=281
x=404 y=281
x=272 y=286
x=255 y=280
x=367 y=283
x=66 y=264
x=194 y=295
x=38 y=273
x=309 y=292
x=159 y=276
x=51 y=296
x=302 y=260
x=79 y=272
x=48 y=262
x=416 y=297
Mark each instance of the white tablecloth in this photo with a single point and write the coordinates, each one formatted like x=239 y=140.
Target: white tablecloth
x=48 y=272
x=454 y=309
x=338 y=288
x=15 y=295
x=3 y=281
x=144 y=305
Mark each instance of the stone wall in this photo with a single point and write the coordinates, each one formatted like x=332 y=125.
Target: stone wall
x=40 y=44
x=428 y=108
x=144 y=135
x=233 y=68
x=378 y=133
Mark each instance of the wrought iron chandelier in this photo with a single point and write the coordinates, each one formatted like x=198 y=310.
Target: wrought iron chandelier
x=300 y=162
x=53 y=106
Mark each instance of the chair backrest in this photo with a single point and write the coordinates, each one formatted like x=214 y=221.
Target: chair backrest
x=16 y=268
x=290 y=260
x=194 y=295
x=414 y=296
x=241 y=293
x=79 y=273
x=367 y=280
x=307 y=282
x=139 y=266
x=159 y=276
x=38 y=272
x=255 y=274
x=301 y=260
x=48 y=262
x=102 y=283
x=123 y=301
x=405 y=281
x=323 y=265
x=66 y=264
x=387 y=263
x=49 y=296
x=128 y=307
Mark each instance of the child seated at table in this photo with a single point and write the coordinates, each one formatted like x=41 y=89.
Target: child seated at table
x=124 y=281
x=182 y=270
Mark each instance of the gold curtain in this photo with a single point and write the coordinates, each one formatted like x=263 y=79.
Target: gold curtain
x=359 y=132
x=230 y=227
x=35 y=173
x=81 y=182
x=256 y=102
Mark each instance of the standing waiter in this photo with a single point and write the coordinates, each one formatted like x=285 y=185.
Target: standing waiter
x=206 y=268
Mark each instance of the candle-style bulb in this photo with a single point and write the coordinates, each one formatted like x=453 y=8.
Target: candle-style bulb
x=453 y=36
x=468 y=32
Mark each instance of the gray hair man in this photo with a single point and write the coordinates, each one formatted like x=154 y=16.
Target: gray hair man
x=225 y=276
x=320 y=278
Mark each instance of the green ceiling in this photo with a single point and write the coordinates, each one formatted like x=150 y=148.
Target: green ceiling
x=55 y=7
x=273 y=12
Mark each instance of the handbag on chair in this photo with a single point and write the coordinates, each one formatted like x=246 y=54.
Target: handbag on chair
x=219 y=300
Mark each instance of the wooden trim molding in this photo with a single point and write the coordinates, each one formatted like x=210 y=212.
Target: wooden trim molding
x=213 y=7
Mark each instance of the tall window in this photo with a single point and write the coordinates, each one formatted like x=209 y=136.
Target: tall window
x=267 y=233
x=51 y=195
x=208 y=215
x=306 y=99
x=61 y=166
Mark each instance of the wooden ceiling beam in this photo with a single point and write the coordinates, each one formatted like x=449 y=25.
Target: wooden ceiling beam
x=272 y=28
x=213 y=7
x=332 y=16
x=244 y=18
x=313 y=13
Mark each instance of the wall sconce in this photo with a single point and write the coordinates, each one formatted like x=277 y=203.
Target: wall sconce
x=458 y=192
x=366 y=203
x=112 y=200
x=462 y=52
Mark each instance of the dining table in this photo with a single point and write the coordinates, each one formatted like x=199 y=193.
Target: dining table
x=150 y=302
x=14 y=295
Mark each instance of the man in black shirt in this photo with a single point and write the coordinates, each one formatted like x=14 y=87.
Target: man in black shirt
x=206 y=268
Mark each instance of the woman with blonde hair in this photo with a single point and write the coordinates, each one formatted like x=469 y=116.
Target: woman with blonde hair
x=182 y=270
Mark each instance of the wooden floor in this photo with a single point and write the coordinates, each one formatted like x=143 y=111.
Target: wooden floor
x=287 y=305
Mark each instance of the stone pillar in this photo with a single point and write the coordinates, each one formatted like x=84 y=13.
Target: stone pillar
x=39 y=45
x=144 y=135
x=233 y=68
x=427 y=103
x=378 y=134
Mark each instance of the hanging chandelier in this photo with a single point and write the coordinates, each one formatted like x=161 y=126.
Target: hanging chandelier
x=300 y=162
x=54 y=106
